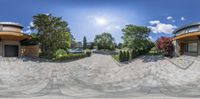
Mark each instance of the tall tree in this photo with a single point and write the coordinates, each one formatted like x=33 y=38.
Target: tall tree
x=84 y=43
x=53 y=33
x=104 y=41
x=135 y=37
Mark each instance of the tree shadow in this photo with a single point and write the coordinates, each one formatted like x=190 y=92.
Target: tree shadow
x=105 y=52
x=152 y=58
x=34 y=59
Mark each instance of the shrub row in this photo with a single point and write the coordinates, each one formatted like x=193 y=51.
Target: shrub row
x=124 y=56
x=135 y=54
x=71 y=56
x=61 y=55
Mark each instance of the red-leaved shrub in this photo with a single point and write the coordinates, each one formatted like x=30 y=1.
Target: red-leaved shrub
x=165 y=44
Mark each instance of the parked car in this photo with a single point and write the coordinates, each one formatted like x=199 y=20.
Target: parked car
x=76 y=50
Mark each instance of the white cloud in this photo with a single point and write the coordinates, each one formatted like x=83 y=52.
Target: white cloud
x=151 y=38
x=112 y=28
x=117 y=27
x=169 y=18
x=158 y=27
x=154 y=22
x=31 y=24
x=182 y=18
x=28 y=31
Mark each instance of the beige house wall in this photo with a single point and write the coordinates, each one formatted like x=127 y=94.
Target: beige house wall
x=30 y=51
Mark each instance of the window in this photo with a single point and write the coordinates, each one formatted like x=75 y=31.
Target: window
x=180 y=32
x=193 y=29
x=188 y=30
x=192 y=47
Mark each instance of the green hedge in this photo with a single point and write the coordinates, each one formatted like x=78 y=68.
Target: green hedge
x=71 y=56
x=124 y=56
x=88 y=52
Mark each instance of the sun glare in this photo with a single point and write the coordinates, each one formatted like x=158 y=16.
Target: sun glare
x=101 y=21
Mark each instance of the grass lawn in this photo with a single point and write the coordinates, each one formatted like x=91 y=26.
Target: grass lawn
x=116 y=57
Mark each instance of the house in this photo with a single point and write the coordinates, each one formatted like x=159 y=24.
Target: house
x=90 y=45
x=10 y=36
x=187 y=40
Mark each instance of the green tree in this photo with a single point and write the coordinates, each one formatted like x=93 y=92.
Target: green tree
x=104 y=41
x=84 y=43
x=53 y=33
x=119 y=46
x=33 y=41
x=135 y=36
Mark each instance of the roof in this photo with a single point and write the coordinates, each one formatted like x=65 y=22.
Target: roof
x=12 y=24
x=186 y=26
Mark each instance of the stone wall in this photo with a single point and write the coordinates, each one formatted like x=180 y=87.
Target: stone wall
x=176 y=48
x=30 y=51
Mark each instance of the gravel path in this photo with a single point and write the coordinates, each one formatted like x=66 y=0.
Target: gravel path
x=100 y=77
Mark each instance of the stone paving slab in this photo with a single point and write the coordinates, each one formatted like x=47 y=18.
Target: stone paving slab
x=99 y=76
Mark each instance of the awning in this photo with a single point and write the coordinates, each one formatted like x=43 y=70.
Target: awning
x=194 y=35
x=16 y=36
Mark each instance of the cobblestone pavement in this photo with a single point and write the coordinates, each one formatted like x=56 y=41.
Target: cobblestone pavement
x=99 y=76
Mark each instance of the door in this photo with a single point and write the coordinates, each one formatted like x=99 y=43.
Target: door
x=11 y=50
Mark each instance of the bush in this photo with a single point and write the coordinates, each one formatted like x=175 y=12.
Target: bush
x=71 y=56
x=88 y=52
x=124 y=56
x=64 y=56
x=133 y=54
x=45 y=55
x=165 y=44
x=120 y=56
x=60 y=53
x=127 y=55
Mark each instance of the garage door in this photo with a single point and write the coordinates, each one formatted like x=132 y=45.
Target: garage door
x=11 y=50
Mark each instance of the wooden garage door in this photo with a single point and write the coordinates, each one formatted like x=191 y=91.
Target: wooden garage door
x=11 y=50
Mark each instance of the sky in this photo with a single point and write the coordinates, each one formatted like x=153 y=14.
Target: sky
x=91 y=17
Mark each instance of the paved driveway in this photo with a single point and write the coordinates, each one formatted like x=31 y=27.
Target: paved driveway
x=100 y=77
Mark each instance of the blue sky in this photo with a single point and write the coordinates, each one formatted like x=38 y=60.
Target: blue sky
x=91 y=17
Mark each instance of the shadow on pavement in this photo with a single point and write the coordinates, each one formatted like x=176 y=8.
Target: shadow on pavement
x=152 y=58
